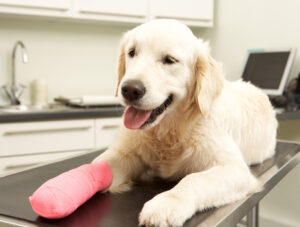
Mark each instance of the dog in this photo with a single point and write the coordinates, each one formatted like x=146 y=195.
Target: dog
x=185 y=122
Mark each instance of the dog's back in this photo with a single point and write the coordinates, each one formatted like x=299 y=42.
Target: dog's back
x=249 y=118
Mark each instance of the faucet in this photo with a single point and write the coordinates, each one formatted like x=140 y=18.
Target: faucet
x=15 y=90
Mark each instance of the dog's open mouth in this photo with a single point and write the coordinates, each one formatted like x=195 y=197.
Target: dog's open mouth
x=136 y=118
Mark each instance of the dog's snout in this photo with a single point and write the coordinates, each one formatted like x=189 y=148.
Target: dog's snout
x=133 y=90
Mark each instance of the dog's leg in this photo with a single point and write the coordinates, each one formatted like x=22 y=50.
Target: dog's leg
x=124 y=166
x=224 y=183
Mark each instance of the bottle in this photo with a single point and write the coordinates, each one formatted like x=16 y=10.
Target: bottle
x=40 y=92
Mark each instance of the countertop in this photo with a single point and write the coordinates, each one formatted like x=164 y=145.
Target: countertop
x=108 y=210
x=66 y=112
x=61 y=113
x=288 y=115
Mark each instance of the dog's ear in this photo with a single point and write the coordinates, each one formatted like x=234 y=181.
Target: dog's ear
x=209 y=79
x=121 y=68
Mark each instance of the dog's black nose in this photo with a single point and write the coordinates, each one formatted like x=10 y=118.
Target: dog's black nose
x=133 y=90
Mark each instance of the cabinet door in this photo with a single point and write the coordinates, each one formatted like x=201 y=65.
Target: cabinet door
x=10 y=165
x=113 y=10
x=106 y=130
x=48 y=136
x=191 y=12
x=36 y=7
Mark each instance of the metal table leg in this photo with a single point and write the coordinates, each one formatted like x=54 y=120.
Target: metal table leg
x=252 y=217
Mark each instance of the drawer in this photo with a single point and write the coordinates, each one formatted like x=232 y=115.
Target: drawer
x=106 y=130
x=9 y=165
x=50 y=136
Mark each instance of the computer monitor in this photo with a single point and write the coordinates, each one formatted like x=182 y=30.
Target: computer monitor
x=269 y=69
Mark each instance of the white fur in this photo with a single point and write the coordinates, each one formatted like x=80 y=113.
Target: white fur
x=206 y=138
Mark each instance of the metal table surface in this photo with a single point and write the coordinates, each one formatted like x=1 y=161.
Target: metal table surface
x=108 y=210
x=61 y=113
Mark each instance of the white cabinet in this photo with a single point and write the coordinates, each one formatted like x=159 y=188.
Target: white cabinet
x=106 y=130
x=27 y=144
x=12 y=164
x=114 y=10
x=190 y=12
x=37 y=7
x=48 y=136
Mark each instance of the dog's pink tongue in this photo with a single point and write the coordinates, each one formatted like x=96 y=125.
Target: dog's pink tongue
x=134 y=118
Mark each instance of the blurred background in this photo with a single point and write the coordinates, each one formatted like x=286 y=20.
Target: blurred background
x=72 y=47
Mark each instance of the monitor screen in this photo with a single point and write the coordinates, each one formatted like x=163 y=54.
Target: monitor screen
x=268 y=70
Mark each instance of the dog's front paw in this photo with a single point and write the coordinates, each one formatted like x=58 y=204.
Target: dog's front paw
x=166 y=209
x=119 y=188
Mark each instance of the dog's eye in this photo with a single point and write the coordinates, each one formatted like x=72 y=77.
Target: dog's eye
x=169 y=60
x=131 y=53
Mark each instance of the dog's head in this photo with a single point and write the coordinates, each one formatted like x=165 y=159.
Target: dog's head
x=160 y=64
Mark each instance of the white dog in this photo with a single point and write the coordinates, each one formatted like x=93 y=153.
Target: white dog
x=184 y=121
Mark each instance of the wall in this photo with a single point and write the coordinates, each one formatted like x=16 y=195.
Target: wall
x=251 y=24
x=75 y=59
x=242 y=25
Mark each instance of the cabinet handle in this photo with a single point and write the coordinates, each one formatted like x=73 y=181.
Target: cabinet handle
x=34 y=7
x=189 y=19
x=39 y=131
x=110 y=127
x=21 y=166
x=87 y=11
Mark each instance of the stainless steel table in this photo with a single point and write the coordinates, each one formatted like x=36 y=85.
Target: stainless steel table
x=108 y=210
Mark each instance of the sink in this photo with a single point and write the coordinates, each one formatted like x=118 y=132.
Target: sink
x=31 y=108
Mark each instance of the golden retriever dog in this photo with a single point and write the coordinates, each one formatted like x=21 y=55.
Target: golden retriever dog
x=184 y=121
